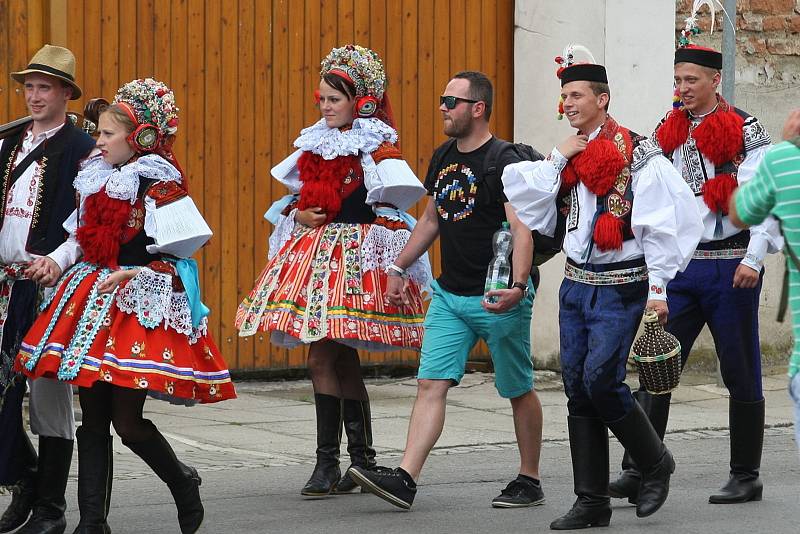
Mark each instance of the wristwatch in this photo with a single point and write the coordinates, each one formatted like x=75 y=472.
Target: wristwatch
x=523 y=287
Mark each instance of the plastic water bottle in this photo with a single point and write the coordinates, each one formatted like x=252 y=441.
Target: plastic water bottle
x=499 y=274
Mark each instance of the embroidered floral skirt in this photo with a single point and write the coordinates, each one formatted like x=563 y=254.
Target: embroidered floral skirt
x=83 y=336
x=317 y=287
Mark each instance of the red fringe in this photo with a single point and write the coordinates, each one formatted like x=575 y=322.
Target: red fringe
x=717 y=192
x=104 y=222
x=599 y=165
x=719 y=136
x=568 y=178
x=608 y=232
x=322 y=182
x=674 y=132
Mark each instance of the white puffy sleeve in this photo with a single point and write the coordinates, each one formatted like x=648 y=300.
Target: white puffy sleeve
x=765 y=238
x=286 y=172
x=391 y=181
x=175 y=224
x=665 y=220
x=532 y=187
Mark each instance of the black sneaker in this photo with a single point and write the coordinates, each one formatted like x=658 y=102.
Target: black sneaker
x=394 y=486
x=519 y=493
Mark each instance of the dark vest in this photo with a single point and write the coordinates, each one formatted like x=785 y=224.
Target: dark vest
x=134 y=252
x=56 y=199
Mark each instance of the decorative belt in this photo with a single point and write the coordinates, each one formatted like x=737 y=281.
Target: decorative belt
x=9 y=273
x=722 y=254
x=607 y=278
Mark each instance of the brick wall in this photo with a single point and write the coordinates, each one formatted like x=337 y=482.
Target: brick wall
x=767 y=39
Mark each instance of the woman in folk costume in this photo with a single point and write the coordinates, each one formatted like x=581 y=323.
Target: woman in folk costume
x=330 y=253
x=128 y=320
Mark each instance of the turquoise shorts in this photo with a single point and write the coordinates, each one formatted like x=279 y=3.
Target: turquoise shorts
x=453 y=326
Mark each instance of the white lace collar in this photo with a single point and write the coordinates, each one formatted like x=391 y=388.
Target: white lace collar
x=365 y=136
x=122 y=182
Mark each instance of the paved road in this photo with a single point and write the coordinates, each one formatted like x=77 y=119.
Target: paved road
x=454 y=496
x=256 y=452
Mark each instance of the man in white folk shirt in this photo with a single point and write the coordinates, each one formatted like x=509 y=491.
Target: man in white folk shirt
x=717 y=147
x=631 y=225
x=37 y=167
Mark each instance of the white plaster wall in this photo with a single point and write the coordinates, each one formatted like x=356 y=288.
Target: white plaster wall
x=635 y=41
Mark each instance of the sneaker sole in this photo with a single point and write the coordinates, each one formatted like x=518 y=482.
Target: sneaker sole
x=377 y=491
x=514 y=505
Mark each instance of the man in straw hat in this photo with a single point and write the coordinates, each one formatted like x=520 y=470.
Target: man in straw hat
x=716 y=147
x=37 y=167
x=624 y=241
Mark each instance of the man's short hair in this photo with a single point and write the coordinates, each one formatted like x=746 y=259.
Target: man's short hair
x=480 y=88
x=598 y=88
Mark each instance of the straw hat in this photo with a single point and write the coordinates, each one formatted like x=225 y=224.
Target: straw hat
x=54 y=61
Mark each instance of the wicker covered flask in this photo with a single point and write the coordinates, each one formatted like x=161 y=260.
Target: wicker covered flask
x=657 y=354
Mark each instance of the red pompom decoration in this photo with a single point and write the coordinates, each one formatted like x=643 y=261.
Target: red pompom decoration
x=717 y=192
x=608 y=232
x=674 y=131
x=569 y=178
x=599 y=165
x=719 y=137
x=104 y=222
x=316 y=96
x=322 y=182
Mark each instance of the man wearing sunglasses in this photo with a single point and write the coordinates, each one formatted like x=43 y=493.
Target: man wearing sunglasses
x=466 y=209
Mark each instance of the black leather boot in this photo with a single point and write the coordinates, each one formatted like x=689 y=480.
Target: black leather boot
x=55 y=457
x=24 y=494
x=329 y=435
x=358 y=428
x=588 y=444
x=182 y=480
x=95 y=474
x=747 y=441
x=655 y=462
x=657 y=409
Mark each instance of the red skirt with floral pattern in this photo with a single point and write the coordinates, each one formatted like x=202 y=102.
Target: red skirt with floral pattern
x=317 y=288
x=83 y=336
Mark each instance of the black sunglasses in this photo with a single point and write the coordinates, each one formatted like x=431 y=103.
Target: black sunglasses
x=450 y=102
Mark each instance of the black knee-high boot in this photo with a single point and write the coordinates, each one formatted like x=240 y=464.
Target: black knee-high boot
x=329 y=435
x=182 y=480
x=55 y=457
x=588 y=444
x=657 y=409
x=358 y=428
x=24 y=494
x=95 y=475
x=747 y=441
x=655 y=462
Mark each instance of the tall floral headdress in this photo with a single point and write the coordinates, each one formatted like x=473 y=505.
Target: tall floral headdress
x=364 y=69
x=151 y=103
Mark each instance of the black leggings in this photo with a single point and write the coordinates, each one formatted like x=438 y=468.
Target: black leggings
x=336 y=370
x=103 y=404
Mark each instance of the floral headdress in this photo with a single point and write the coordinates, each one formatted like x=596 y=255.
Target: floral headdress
x=151 y=102
x=364 y=69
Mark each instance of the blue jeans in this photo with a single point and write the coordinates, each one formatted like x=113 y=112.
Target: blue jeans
x=794 y=392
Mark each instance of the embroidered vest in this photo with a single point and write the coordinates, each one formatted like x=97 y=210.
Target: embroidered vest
x=55 y=198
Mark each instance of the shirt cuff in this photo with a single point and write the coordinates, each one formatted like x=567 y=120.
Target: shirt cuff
x=753 y=262
x=557 y=159
x=656 y=289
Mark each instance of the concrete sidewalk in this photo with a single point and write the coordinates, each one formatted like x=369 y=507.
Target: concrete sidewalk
x=272 y=424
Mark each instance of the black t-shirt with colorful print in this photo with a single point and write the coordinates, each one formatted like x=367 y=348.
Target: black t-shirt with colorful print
x=470 y=210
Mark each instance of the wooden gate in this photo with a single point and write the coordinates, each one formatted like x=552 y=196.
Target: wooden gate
x=244 y=76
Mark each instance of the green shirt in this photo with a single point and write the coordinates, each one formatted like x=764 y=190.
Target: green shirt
x=775 y=190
